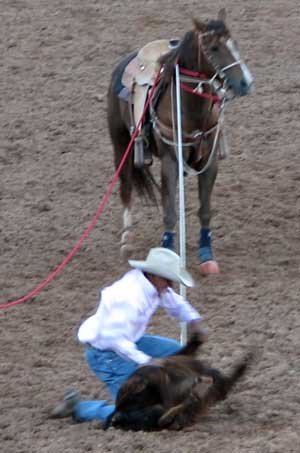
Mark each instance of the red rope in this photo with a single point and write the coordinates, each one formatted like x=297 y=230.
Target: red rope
x=95 y=218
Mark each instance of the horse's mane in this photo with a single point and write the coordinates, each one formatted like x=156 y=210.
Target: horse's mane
x=169 y=59
x=186 y=52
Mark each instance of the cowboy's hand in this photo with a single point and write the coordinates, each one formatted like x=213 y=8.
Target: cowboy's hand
x=155 y=361
x=196 y=328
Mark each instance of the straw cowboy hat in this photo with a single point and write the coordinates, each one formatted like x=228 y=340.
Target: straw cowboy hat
x=164 y=263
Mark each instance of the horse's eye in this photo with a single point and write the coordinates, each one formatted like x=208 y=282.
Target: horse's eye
x=214 y=48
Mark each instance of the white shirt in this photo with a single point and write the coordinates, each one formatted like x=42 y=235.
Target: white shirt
x=124 y=312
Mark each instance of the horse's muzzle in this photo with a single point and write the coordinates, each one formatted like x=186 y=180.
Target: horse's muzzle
x=241 y=88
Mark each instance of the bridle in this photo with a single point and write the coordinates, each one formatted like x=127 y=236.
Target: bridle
x=201 y=79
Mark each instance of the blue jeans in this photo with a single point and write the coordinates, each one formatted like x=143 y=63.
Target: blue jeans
x=113 y=370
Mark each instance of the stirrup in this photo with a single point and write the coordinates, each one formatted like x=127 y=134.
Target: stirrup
x=138 y=160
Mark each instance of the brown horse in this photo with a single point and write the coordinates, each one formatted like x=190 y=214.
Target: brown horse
x=172 y=392
x=211 y=73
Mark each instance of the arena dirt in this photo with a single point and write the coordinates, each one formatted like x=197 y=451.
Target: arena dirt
x=56 y=163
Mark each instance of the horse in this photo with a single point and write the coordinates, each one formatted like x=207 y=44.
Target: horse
x=211 y=74
x=173 y=392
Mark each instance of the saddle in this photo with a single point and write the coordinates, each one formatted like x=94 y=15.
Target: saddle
x=141 y=72
x=143 y=68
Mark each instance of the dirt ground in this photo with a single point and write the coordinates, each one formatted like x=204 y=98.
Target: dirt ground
x=56 y=163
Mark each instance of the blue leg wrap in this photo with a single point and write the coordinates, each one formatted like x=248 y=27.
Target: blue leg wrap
x=168 y=240
x=205 y=250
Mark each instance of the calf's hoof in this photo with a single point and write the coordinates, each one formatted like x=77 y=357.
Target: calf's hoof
x=209 y=267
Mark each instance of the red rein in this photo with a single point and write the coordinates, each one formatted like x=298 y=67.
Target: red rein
x=188 y=72
x=197 y=75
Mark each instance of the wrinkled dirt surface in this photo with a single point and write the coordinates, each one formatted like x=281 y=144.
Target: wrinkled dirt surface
x=56 y=163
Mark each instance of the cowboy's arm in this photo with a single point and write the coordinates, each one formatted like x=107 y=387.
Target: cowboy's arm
x=179 y=308
x=197 y=327
x=182 y=310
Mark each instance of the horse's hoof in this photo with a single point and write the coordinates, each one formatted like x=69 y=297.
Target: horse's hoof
x=126 y=251
x=168 y=240
x=209 y=267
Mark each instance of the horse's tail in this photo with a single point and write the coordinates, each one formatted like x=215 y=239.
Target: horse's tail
x=145 y=184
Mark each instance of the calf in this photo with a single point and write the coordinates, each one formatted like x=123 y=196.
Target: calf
x=168 y=392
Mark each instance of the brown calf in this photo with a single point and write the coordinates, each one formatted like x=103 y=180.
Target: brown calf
x=168 y=394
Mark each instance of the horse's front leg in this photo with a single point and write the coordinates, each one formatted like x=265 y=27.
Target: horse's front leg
x=205 y=186
x=169 y=177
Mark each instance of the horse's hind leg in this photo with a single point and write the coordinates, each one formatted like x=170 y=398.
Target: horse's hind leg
x=205 y=186
x=127 y=234
x=126 y=199
x=120 y=137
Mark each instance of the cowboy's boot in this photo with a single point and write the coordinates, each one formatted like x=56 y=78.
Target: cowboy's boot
x=66 y=407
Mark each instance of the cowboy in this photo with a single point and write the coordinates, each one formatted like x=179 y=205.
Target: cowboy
x=114 y=337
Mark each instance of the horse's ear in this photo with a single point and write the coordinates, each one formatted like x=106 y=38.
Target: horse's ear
x=222 y=15
x=199 y=26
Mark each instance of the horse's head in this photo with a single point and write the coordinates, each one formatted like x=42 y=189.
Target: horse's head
x=222 y=59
